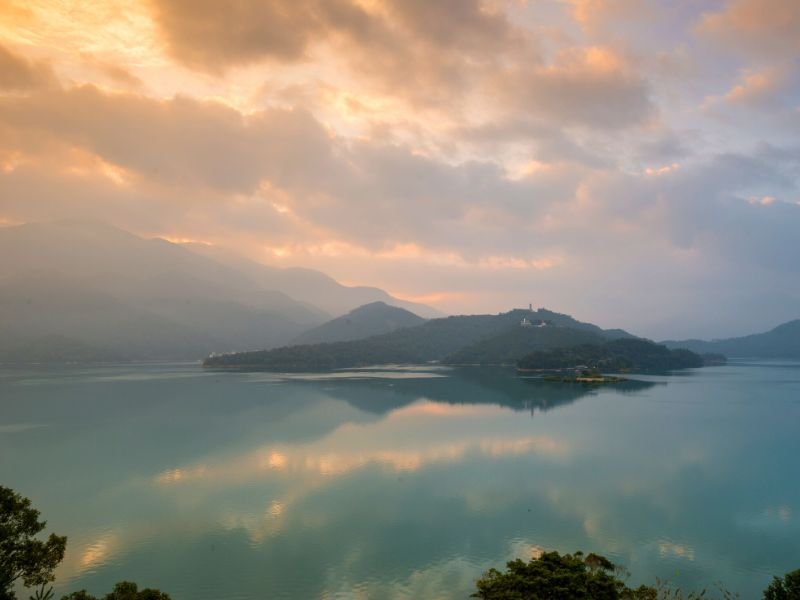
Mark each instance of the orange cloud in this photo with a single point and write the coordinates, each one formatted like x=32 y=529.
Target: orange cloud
x=585 y=86
x=591 y=14
x=20 y=74
x=757 y=87
x=768 y=27
x=666 y=169
x=434 y=298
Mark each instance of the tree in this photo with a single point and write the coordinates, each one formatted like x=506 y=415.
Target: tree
x=784 y=588
x=553 y=576
x=23 y=557
x=32 y=561
x=124 y=590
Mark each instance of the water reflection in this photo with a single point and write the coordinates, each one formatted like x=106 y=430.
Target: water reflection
x=487 y=385
x=237 y=485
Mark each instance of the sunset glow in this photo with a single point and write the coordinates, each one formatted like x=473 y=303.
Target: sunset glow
x=498 y=151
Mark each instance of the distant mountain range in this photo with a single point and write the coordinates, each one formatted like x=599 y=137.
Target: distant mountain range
x=87 y=291
x=78 y=291
x=781 y=342
x=371 y=319
x=474 y=339
x=309 y=286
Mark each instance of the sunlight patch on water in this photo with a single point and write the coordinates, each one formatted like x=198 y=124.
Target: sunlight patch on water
x=773 y=518
x=668 y=548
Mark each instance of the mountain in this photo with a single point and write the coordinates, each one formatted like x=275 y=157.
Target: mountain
x=310 y=286
x=781 y=342
x=371 y=319
x=81 y=289
x=434 y=340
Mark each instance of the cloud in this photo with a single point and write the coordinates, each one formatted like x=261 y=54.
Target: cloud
x=592 y=86
x=374 y=193
x=666 y=146
x=440 y=149
x=209 y=35
x=770 y=28
x=545 y=140
x=465 y=25
x=591 y=14
x=181 y=141
x=20 y=74
x=758 y=88
x=115 y=73
x=279 y=178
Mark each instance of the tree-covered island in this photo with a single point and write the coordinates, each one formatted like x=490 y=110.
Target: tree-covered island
x=529 y=340
x=615 y=356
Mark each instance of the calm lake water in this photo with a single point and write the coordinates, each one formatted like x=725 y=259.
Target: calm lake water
x=402 y=483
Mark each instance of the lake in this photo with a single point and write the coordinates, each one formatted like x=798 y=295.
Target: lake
x=402 y=483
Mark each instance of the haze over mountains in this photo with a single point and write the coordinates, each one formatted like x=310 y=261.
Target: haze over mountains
x=87 y=291
x=782 y=341
x=90 y=291
x=310 y=286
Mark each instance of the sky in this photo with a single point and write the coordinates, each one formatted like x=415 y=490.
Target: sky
x=635 y=163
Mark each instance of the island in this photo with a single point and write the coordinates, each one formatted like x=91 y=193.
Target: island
x=624 y=355
x=532 y=341
x=592 y=377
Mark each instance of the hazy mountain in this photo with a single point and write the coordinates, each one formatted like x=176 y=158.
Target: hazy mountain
x=371 y=319
x=312 y=287
x=781 y=342
x=434 y=340
x=93 y=289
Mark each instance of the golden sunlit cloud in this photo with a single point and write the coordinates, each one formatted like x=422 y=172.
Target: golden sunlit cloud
x=178 y=239
x=761 y=200
x=64 y=30
x=12 y=161
x=666 y=169
x=435 y=298
x=413 y=253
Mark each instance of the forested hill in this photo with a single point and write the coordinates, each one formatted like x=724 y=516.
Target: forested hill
x=435 y=340
x=781 y=342
x=613 y=356
x=508 y=347
x=375 y=318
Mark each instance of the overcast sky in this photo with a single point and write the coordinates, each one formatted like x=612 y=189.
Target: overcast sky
x=634 y=163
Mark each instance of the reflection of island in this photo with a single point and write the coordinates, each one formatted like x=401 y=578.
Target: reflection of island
x=487 y=385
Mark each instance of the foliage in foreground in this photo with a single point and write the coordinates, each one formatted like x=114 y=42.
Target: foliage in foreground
x=124 y=590
x=553 y=576
x=784 y=588
x=33 y=562
x=23 y=557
